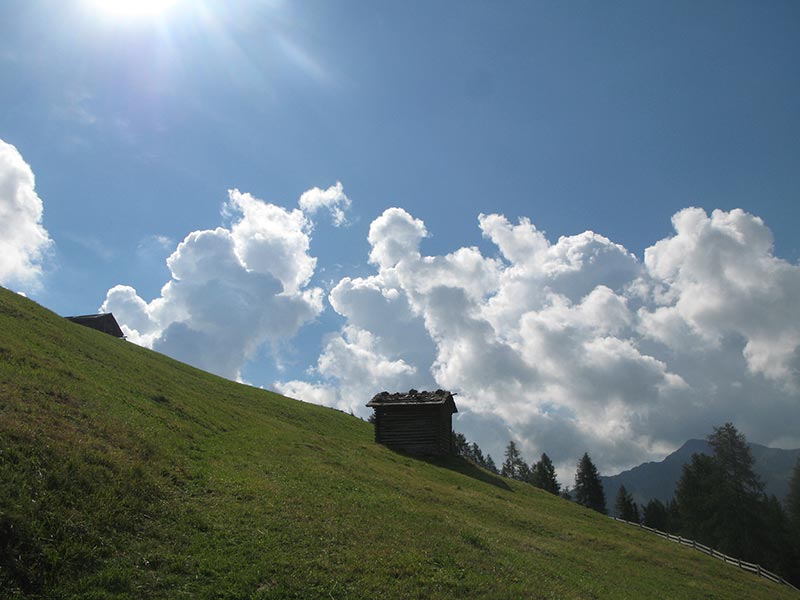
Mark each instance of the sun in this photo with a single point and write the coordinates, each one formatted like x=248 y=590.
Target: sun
x=133 y=8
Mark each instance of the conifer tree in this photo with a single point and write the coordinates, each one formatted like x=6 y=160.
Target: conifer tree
x=793 y=518
x=476 y=455
x=720 y=498
x=543 y=475
x=460 y=444
x=673 y=516
x=472 y=452
x=793 y=499
x=775 y=539
x=695 y=498
x=733 y=457
x=514 y=466
x=588 y=487
x=635 y=517
x=524 y=472
x=490 y=464
x=655 y=515
x=625 y=506
x=739 y=497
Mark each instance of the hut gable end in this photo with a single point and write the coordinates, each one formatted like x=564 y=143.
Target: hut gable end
x=415 y=422
x=104 y=322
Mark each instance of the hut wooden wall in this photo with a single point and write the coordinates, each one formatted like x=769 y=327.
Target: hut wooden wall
x=414 y=429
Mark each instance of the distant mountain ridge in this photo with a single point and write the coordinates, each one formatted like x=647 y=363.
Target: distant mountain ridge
x=658 y=479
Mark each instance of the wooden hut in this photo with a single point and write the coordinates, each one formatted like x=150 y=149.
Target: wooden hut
x=103 y=322
x=415 y=422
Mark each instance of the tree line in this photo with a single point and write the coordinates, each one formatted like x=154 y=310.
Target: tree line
x=473 y=453
x=588 y=490
x=719 y=500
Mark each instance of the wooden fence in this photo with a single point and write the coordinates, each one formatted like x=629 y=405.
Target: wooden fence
x=750 y=567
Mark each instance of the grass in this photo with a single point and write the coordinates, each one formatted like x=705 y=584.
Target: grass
x=126 y=474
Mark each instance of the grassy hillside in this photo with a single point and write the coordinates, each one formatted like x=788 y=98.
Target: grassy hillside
x=127 y=474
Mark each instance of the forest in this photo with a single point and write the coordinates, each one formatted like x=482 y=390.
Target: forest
x=719 y=500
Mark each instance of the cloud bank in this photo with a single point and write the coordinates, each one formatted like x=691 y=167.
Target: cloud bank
x=576 y=345
x=23 y=239
x=566 y=346
x=232 y=289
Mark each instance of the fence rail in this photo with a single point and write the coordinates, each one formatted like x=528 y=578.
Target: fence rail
x=746 y=566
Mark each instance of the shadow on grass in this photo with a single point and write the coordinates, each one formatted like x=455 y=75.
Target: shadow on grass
x=463 y=466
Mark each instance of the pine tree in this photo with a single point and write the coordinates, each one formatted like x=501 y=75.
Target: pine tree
x=635 y=517
x=625 y=506
x=524 y=472
x=514 y=466
x=673 y=517
x=793 y=518
x=472 y=452
x=460 y=445
x=695 y=499
x=566 y=494
x=655 y=515
x=490 y=464
x=775 y=540
x=543 y=475
x=793 y=499
x=739 y=497
x=476 y=455
x=720 y=498
x=734 y=458
x=588 y=487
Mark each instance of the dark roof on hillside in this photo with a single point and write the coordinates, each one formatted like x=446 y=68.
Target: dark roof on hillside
x=412 y=397
x=104 y=322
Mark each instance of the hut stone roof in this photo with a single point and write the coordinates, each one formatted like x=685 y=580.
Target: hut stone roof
x=412 y=397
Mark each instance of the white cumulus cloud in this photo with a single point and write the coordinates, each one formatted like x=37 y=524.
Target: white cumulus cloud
x=333 y=199
x=575 y=345
x=717 y=277
x=23 y=239
x=231 y=290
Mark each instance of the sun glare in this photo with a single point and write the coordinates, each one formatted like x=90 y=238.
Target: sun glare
x=133 y=8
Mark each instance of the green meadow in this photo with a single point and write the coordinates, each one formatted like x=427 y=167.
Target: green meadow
x=126 y=474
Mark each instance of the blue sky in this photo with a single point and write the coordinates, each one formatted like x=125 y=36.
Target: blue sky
x=609 y=118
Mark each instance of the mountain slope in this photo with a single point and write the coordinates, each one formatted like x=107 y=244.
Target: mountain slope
x=127 y=474
x=658 y=479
